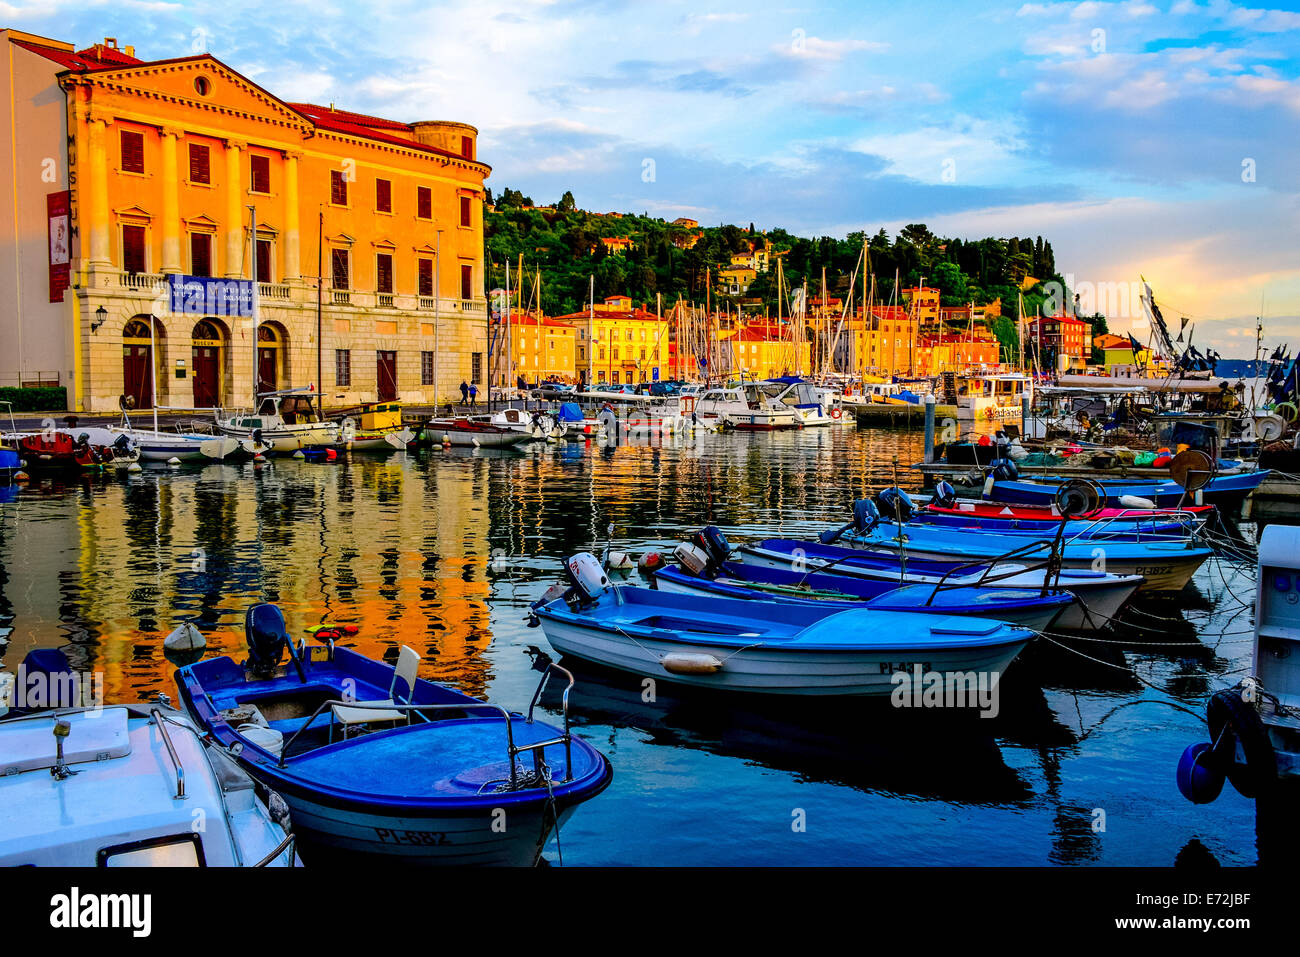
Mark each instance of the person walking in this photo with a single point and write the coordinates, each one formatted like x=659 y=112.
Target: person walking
x=473 y=396
x=464 y=393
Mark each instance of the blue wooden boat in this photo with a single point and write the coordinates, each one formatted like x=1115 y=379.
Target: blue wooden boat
x=1166 y=565
x=764 y=647
x=1225 y=491
x=1168 y=525
x=1100 y=595
x=372 y=763
x=1025 y=607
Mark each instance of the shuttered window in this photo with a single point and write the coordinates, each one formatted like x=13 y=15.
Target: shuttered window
x=339 y=259
x=264 y=267
x=426 y=277
x=132 y=151
x=259 y=169
x=384 y=272
x=467 y=147
x=133 y=252
x=200 y=254
x=338 y=188
x=466 y=216
x=467 y=282
x=200 y=170
x=384 y=195
x=424 y=202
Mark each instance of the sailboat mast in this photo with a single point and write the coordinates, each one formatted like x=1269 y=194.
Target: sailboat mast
x=253 y=218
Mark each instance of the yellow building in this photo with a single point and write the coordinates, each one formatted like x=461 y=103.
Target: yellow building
x=628 y=345
x=736 y=281
x=155 y=171
x=923 y=303
x=764 y=351
x=541 y=348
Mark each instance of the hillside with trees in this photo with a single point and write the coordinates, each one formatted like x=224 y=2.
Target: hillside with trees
x=563 y=243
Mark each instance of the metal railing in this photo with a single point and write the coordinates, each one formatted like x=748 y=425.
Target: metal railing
x=159 y=720
x=285 y=845
x=512 y=749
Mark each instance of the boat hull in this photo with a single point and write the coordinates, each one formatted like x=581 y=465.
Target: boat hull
x=771 y=671
x=1099 y=597
x=1225 y=491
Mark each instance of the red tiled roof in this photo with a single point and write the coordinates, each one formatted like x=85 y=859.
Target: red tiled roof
x=91 y=58
x=346 y=116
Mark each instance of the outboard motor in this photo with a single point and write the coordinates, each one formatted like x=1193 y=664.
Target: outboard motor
x=267 y=639
x=123 y=444
x=865 y=518
x=895 y=504
x=714 y=544
x=945 y=496
x=694 y=560
x=1004 y=470
x=587 y=577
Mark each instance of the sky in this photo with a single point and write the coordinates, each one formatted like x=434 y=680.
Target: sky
x=1157 y=139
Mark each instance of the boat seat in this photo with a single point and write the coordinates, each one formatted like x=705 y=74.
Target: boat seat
x=408 y=662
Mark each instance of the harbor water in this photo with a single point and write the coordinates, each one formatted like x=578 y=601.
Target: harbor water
x=445 y=550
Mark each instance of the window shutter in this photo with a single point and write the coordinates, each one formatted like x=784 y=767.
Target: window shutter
x=465 y=211
x=339 y=258
x=133 y=258
x=384 y=195
x=426 y=277
x=338 y=188
x=424 y=202
x=200 y=172
x=384 y=272
x=200 y=254
x=260 y=169
x=132 y=151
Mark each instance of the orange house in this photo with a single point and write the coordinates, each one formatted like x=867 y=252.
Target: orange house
x=166 y=165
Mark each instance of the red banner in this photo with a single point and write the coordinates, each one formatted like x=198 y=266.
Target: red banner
x=56 y=206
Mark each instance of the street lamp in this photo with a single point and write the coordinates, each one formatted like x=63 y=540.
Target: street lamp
x=101 y=314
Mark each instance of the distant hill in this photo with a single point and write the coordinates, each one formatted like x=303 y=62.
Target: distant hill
x=563 y=243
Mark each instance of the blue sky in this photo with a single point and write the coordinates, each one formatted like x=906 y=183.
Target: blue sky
x=1158 y=138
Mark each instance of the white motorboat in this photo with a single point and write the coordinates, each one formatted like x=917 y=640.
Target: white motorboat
x=746 y=407
x=536 y=425
x=285 y=421
x=158 y=445
x=122 y=786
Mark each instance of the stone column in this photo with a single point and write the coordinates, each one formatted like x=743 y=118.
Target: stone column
x=234 y=211
x=98 y=206
x=171 y=217
x=292 y=249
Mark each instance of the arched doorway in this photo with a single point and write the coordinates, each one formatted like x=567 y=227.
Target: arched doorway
x=271 y=356
x=207 y=354
x=137 y=362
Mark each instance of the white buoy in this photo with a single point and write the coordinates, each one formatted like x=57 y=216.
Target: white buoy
x=680 y=663
x=185 y=638
x=621 y=562
x=173 y=461
x=134 y=467
x=1136 y=501
x=299 y=454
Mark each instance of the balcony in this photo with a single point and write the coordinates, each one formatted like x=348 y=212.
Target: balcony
x=276 y=291
x=427 y=302
x=341 y=297
x=141 y=282
x=384 y=300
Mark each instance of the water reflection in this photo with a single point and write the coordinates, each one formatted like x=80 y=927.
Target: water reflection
x=444 y=550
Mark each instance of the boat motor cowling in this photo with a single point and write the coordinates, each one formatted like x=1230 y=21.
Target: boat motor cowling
x=586 y=576
x=1004 y=470
x=714 y=544
x=895 y=504
x=694 y=560
x=945 y=496
x=267 y=638
x=866 y=516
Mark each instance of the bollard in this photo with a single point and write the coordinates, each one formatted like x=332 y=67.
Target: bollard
x=929 y=428
x=1024 y=416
